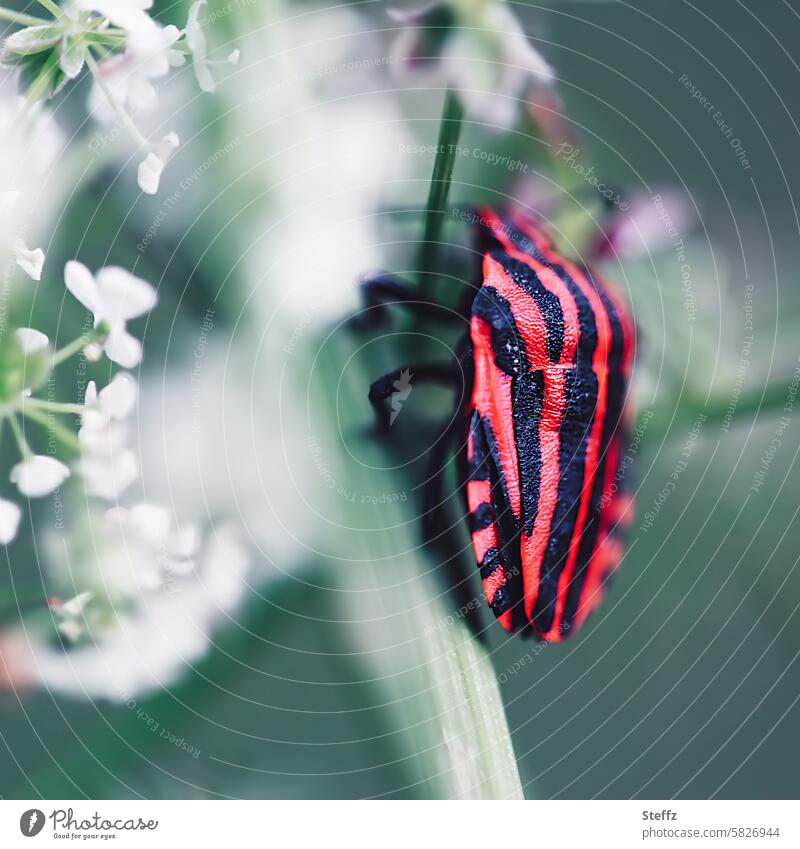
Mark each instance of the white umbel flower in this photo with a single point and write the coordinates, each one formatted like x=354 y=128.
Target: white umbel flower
x=115 y=402
x=10 y=515
x=108 y=469
x=114 y=296
x=107 y=465
x=149 y=174
x=129 y=76
x=71 y=614
x=39 y=475
x=32 y=143
x=198 y=47
x=151 y=168
x=196 y=39
x=118 y=399
x=175 y=546
x=159 y=638
x=31 y=261
x=32 y=341
x=153 y=51
x=154 y=550
x=128 y=14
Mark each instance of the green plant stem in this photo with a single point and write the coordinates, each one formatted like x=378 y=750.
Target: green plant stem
x=51 y=7
x=441 y=178
x=41 y=85
x=62 y=434
x=20 y=18
x=52 y=406
x=104 y=39
x=19 y=436
x=79 y=344
x=453 y=729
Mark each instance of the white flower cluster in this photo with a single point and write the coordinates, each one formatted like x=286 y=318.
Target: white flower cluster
x=115 y=297
x=141 y=591
x=106 y=466
x=154 y=640
x=124 y=84
x=29 y=149
x=148 y=595
x=127 y=53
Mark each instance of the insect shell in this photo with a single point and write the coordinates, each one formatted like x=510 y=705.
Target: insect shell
x=552 y=350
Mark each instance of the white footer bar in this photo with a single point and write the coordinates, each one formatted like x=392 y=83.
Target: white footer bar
x=402 y=825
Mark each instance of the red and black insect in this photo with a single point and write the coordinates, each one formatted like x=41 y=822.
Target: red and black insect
x=547 y=367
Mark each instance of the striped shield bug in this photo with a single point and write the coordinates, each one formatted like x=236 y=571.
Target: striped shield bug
x=544 y=380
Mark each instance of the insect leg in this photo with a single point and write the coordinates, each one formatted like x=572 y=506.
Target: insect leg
x=401 y=379
x=435 y=520
x=441 y=529
x=384 y=290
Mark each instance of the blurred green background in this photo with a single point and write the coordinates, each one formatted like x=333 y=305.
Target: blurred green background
x=687 y=681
